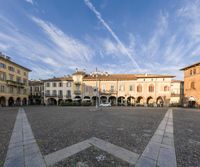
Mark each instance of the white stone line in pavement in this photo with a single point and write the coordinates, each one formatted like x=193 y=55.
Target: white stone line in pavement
x=57 y=156
x=114 y=150
x=23 y=150
x=160 y=150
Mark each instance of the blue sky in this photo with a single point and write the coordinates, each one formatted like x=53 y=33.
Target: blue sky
x=53 y=38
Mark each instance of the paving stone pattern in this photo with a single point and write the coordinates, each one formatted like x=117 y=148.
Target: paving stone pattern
x=160 y=150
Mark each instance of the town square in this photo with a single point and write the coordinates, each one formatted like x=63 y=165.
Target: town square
x=99 y=83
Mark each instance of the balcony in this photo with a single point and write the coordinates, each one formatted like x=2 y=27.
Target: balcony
x=68 y=96
x=15 y=83
x=60 y=96
x=77 y=92
x=51 y=95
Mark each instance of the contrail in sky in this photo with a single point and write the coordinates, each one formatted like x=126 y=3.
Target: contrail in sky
x=98 y=15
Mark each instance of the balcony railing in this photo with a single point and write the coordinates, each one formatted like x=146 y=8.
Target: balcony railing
x=77 y=92
x=68 y=96
x=50 y=95
x=15 y=83
x=60 y=95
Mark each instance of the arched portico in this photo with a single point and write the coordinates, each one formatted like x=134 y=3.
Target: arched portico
x=52 y=101
x=150 y=100
x=24 y=101
x=112 y=100
x=140 y=100
x=130 y=101
x=103 y=99
x=2 y=101
x=191 y=102
x=60 y=101
x=121 y=101
x=18 y=101
x=160 y=101
x=11 y=101
x=95 y=100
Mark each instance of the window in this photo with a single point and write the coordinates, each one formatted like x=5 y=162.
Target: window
x=18 y=91
x=24 y=73
x=18 y=71
x=18 y=79
x=103 y=88
x=47 y=84
x=68 y=84
x=68 y=93
x=192 y=86
x=11 y=77
x=54 y=84
x=2 y=76
x=112 y=88
x=121 y=88
x=36 y=89
x=151 y=88
x=54 y=92
x=25 y=81
x=47 y=92
x=131 y=88
x=11 y=90
x=24 y=91
x=60 y=84
x=190 y=72
x=60 y=92
x=2 y=88
x=194 y=71
x=10 y=68
x=166 y=88
x=2 y=65
x=139 y=88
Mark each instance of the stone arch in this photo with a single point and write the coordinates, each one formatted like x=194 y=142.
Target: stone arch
x=130 y=101
x=18 y=101
x=140 y=100
x=68 y=100
x=24 y=101
x=121 y=100
x=191 y=102
x=60 y=101
x=103 y=99
x=150 y=100
x=11 y=101
x=2 y=101
x=52 y=101
x=160 y=101
x=112 y=100
x=95 y=100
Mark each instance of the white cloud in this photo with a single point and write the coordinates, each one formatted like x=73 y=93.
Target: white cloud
x=119 y=42
x=29 y=1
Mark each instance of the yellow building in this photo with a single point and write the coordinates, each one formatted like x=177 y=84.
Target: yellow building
x=123 y=89
x=192 y=85
x=13 y=82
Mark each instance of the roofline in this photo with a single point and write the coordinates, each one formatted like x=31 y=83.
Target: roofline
x=15 y=63
x=185 y=68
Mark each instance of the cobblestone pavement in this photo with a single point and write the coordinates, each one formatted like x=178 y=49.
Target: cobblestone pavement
x=187 y=137
x=7 y=120
x=104 y=137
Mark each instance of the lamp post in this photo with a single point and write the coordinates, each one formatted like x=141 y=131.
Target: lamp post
x=96 y=74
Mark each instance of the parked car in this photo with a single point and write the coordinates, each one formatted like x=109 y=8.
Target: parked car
x=105 y=105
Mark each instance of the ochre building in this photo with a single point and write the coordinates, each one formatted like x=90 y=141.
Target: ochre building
x=13 y=83
x=192 y=85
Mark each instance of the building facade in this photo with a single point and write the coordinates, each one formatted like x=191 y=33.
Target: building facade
x=58 y=90
x=192 y=85
x=36 y=92
x=13 y=82
x=118 y=89
x=177 y=93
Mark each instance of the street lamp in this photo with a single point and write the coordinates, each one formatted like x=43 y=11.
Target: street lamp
x=97 y=74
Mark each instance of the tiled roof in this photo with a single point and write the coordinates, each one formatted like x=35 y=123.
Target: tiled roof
x=125 y=76
x=59 y=79
x=193 y=65
x=35 y=82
